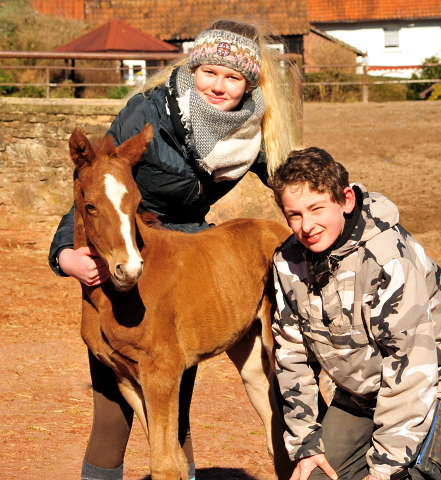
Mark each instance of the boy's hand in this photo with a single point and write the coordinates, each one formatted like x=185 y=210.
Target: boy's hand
x=306 y=465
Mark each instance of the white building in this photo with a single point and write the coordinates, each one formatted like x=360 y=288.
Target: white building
x=393 y=33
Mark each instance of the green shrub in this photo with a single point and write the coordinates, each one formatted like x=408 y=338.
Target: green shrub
x=31 y=92
x=118 y=92
x=331 y=93
x=436 y=93
x=6 y=77
x=65 y=91
x=426 y=73
x=388 y=92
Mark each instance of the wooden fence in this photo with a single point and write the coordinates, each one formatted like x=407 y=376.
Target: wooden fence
x=365 y=82
x=69 y=70
x=157 y=60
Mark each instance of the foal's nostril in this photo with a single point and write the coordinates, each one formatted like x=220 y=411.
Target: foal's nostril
x=122 y=272
x=119 y=270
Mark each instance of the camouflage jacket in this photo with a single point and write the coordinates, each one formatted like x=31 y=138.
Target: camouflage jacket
x=369 y=314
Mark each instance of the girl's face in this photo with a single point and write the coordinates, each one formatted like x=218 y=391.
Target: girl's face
x=220 y=86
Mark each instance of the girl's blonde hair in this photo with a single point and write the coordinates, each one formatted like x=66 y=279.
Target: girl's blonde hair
x=280 y=85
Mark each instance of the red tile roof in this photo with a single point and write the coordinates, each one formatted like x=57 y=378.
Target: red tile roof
x=116 y=36
x=322 y=11
x=185 y=19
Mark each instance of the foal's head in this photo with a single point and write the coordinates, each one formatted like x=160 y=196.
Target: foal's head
x=107 y=197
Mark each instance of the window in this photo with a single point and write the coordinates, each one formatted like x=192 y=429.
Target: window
x=187 y=47
x=136 y=71
x=391 y=37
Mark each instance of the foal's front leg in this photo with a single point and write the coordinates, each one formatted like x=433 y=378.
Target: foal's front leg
x=160 y=381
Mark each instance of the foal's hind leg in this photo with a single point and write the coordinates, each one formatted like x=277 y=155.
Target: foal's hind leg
x=253 y=364
x=160 y=381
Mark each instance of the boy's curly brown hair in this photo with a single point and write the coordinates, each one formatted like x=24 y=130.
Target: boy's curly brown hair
x=313 y=166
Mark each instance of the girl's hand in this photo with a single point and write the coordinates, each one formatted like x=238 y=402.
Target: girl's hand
x=306 y=465
x=85 y=265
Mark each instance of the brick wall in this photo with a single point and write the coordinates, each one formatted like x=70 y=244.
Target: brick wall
x=316 y=46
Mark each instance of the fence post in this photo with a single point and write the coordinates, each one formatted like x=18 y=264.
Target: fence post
x=297 y=75
x=48 y=88
x=365 y=84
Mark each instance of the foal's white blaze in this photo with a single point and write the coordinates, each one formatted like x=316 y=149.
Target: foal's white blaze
x=115 y=191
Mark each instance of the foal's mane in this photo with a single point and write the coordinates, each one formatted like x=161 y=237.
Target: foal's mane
x=148 y=218
x=104 y=146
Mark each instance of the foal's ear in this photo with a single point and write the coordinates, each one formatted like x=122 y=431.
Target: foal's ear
x=133 y=148
x=80 y=149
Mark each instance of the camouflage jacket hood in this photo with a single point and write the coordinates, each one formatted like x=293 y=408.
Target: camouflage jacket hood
x=371 y=319
x=378 y=214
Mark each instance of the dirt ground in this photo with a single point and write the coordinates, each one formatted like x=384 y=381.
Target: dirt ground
x=45 y=395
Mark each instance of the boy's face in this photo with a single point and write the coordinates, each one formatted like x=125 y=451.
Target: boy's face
x=317 y=221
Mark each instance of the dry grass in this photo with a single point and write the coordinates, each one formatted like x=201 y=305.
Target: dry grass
x=22 y=28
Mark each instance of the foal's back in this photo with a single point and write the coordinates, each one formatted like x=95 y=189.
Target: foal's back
x=206 y=289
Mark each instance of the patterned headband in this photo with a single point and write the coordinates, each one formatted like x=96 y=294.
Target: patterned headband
x=221 y=47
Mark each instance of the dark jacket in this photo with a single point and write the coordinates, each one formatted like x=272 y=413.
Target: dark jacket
x=170 y=184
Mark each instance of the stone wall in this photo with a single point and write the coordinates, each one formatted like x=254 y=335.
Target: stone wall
x=35 y=167
x=36 y=170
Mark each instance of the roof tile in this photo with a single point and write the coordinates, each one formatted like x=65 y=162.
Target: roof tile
x=116 y=36
x=322 y=11
x=185 y=19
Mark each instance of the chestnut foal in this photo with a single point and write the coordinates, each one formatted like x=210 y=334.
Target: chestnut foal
x=174 y=299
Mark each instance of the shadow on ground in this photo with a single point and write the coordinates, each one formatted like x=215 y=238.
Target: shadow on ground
x=218 y=474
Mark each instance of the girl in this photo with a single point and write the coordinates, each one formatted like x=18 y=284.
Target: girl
x=215 y=116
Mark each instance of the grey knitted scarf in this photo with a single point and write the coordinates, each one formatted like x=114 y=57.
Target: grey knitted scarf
x=224 y=144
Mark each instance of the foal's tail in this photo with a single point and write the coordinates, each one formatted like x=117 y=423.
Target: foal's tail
x=276 y=234
x=266 y=313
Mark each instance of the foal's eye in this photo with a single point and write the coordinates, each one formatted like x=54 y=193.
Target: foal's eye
x=90 y=208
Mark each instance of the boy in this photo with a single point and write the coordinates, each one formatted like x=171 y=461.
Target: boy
x=358 y=298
